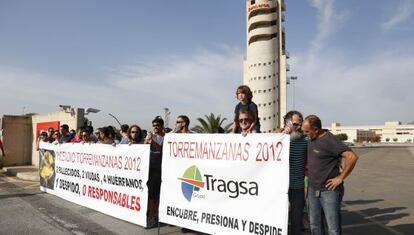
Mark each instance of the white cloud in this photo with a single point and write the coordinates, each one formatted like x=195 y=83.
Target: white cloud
x=403 y=12
x=328 y=23
x=195 y=85
x=370 y=93
x=376 y=90
x=42 y=93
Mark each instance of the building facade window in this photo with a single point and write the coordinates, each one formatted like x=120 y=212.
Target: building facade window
x=262 y=12
x=262 y=37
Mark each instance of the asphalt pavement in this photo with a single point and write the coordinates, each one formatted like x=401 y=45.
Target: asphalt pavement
x=379 y=194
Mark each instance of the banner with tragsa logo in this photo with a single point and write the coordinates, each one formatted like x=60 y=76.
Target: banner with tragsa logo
x=226 y=183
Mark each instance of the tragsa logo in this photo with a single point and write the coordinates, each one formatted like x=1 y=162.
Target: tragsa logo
x=192 y=181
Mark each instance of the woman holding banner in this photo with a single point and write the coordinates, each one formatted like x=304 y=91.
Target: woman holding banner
x=134 y=135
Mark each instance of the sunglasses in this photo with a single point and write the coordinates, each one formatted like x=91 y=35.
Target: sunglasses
x=134 y=132
x=244 y=120
x=156 y=125
x=296 y=124
x=178 y=122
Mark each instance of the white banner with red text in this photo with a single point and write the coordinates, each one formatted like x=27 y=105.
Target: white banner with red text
x=226 y=183
x=109 y=179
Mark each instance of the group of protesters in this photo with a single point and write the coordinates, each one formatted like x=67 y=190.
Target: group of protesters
x=318 y=165
x=314 y=152
x=126 y=135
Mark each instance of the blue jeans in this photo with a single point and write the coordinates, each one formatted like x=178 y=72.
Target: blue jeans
x=330 y=202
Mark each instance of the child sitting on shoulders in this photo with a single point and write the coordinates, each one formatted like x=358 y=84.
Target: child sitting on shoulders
x=245 y=95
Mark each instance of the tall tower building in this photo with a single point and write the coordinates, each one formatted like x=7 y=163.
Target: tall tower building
x=265 y=66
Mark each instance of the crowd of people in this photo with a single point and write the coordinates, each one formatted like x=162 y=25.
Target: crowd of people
x=315 y=155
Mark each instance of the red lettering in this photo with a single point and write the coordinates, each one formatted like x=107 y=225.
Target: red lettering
x=118 y=202
x=90 y=191
x=132 y=203
x=191 y=150
x=170 y=145
x=279 y=144
x=100 y=193
x=246 y=151
x=124 y=200
x=258 y=6
x=137 y=204
x=180 y=149
x=185 y=149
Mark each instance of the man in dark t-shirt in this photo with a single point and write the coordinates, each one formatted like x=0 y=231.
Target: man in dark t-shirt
x=325 y=152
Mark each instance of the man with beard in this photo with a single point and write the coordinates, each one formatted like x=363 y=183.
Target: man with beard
x=297 y=160
x=156 y=140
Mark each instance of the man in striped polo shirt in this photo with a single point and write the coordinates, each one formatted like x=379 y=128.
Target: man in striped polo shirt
x=297 y=160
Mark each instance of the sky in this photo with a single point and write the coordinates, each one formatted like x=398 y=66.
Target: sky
x=354 y=59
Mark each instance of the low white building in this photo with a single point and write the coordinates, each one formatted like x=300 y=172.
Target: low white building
x=393 y=131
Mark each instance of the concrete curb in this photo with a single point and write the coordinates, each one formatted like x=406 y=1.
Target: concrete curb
x=29 y=176
x=28 y=173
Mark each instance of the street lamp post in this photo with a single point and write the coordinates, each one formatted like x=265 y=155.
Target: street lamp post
x=293 y=81
x=116 y=119
x=166 y=116
x=79 y=112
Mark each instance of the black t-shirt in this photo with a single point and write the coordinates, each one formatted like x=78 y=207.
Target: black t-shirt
x=324 y=155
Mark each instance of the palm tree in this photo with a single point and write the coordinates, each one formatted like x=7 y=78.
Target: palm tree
x=211 y=124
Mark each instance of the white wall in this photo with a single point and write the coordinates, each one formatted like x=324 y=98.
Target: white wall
x=73 y=120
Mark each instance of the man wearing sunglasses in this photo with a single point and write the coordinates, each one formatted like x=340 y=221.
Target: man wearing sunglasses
x=156 y=140
x=156 y=137
x=182 y=125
